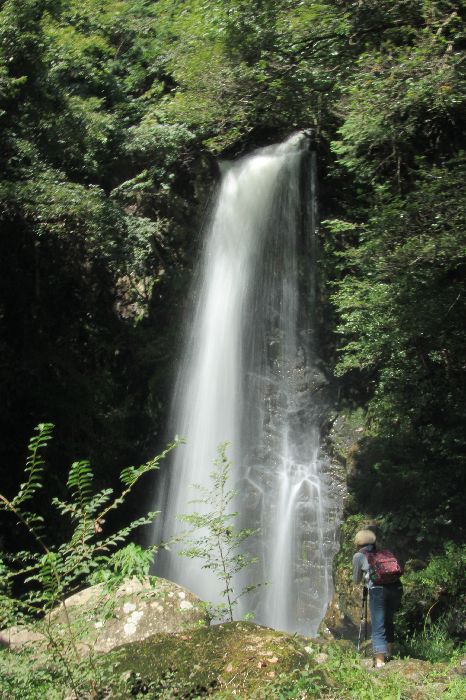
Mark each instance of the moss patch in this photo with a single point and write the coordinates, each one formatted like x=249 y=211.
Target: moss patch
x=234 y=658
x=247 y=661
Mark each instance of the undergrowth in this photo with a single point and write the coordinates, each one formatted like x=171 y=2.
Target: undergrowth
x=343 y=677
x=35 y=583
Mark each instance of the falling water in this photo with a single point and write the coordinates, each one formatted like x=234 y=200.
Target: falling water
x=251 y=376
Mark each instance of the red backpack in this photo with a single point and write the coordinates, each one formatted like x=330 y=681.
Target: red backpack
x=383 y=567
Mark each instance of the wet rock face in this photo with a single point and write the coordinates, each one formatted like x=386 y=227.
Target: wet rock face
x=135 y=611
x=342 y=617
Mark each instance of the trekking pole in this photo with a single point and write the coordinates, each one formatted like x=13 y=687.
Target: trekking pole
x=363 y=615
x=365 y=597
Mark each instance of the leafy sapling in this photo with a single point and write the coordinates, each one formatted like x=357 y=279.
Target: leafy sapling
x=50 y=572
x=213 y=538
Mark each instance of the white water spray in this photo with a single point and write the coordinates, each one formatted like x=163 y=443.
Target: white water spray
x=250 y=376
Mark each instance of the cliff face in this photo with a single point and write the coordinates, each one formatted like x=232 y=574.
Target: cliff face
x=431 y=608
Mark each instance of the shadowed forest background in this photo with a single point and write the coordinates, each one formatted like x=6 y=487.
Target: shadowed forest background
x=112 y=116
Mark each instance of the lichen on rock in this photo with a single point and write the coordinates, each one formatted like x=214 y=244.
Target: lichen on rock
x=103 y=619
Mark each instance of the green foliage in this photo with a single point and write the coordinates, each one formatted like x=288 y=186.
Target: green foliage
x=271 y=66
x=406 y=97
x=162 y=688
x=434 y=602
x=34 y=463
x=19 y=682
x=434 y=643
x=301 y=684
x=49 y=573
x=213 y=538
x=94 y=219
x=340 y=675
x=131 y=561
x=396 y=259
x=400 y=316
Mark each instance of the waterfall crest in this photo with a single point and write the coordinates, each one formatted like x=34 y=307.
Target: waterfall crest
x=250 y=376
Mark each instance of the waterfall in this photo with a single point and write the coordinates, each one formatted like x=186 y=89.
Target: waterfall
x=251 y=376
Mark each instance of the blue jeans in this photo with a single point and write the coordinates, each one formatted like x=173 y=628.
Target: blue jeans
x=384 y=601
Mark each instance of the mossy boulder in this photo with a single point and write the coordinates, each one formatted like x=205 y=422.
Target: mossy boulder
x=234 y=659
x=248 y=661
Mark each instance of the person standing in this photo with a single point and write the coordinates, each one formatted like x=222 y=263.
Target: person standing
x=384 y=589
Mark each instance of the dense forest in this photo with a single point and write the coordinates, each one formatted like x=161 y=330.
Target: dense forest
x=113 y=115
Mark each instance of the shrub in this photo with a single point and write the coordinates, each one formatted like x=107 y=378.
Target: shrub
x=432 y=620
x=48 y=573
x=214 y=540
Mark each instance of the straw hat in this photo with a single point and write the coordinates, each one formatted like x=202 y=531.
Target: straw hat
x=364 y=537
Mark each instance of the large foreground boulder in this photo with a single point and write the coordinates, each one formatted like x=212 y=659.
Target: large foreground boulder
x=101 y=620
x=245 y=660
x=228 y=661
x=234 y=658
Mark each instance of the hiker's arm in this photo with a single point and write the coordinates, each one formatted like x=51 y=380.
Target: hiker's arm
x=357 y=567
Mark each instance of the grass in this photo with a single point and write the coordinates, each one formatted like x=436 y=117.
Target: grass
x=235 y=661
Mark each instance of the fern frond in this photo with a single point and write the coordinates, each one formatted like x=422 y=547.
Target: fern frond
x=80 y=483
x=99 y=500
x=121 y=536
x=21 y=556
x=48 y=576
x=63 y=507
x=57 y=571
x=130 y=476
x=83 y=532
x=34 y=464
